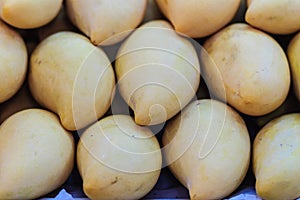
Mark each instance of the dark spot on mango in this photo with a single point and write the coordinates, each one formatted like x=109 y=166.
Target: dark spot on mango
x=140 y=187
x=114 y=181
x=37 y=61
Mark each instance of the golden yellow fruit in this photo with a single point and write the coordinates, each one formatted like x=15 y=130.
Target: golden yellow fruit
x=207 y=148
x=244 y=67
x=274 y=16
x=118 y=159
x=293 y=53
x=36 y=154
x=72 y=78
x=199 y=18
x=27 y=14
x=276 y=160
x=158 y=72
x=106 y=22
x=13 y=62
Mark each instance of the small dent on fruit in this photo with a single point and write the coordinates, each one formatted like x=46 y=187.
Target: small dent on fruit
x=115 y=180
x=37 y=61
x=194 y=196
x=274 y=18
x=140 y=187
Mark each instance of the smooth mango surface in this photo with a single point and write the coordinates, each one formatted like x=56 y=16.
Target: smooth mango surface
x=198 y=18
x=36 y=154
x=276 y=159
x=158 y=72
x=293 y=53
x=13 y=62
x=274 y=16
x=27 y=14
x=244 y=66
x=207 y=147
x=73 y=78
x=118 y=159
x=106 y=22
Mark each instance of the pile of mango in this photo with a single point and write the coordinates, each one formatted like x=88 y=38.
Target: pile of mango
x=119 y=90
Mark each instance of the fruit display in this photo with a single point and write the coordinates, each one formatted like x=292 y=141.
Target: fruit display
x=149 y=99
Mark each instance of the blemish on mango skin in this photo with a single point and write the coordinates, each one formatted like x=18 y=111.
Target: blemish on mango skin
x=274 y=18
x=115 y=180
x=37 y=61
x=140 y=187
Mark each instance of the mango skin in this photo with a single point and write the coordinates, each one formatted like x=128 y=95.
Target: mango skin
x=244 y=66
x=71 y=77
x=198 y=18
x=27 y=14
x=36 y=154
x=13 y=62
x=158 y=72
x=106 y=22
x=276 y=159
x=207 y=148
x=274 y=16
x=294 y=59
x=118 y=159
